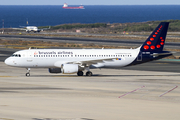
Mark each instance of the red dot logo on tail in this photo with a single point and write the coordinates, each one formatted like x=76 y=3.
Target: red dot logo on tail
x=152 y=47
x=149 y=42
x=151 y=39
x=146 y=47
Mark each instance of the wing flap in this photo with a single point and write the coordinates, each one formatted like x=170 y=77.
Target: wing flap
x=90 y=62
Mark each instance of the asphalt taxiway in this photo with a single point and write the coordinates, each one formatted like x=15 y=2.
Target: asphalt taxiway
x=115 y=42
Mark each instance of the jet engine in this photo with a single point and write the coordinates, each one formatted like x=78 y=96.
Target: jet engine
x=69 y=68
x=55 y=70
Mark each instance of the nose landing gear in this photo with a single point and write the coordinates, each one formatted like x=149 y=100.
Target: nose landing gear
x=28 y=72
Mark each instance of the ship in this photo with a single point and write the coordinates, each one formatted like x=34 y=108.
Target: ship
x=66 y=7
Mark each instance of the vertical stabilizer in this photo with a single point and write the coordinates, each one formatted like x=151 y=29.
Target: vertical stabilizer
x=156 y=40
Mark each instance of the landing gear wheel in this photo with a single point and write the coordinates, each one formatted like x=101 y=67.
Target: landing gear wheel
x=89 y=73
x=80 y=73
x=27 y=74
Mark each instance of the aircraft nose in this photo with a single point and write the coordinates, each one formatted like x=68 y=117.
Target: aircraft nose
x=8 y=61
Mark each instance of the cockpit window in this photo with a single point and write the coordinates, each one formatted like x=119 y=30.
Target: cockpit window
x=15 y=55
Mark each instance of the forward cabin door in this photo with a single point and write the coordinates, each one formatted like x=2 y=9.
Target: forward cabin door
x=29 y=56
x=32 y=58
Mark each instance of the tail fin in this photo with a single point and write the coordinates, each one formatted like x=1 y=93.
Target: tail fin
x=156 y=40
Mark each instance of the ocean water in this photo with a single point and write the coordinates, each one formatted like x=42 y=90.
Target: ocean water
x=15 y=16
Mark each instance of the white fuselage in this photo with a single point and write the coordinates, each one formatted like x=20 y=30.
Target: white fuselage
x=32 y=28
x=54 y=58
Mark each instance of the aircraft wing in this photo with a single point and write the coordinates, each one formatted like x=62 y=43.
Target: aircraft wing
x=45 y=28
x=19 y=28
x=90 y=62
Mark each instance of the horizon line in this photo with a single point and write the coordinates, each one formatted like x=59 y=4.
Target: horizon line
x=90 y=5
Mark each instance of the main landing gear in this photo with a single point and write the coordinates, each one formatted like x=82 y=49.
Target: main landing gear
x=88 y=73
x=28 y=72
x=80 y=73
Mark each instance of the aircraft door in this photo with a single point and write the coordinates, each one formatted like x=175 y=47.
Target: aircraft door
x=31 y=59
x=29 y=56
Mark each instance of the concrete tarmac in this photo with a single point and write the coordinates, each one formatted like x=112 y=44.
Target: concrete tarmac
x=110 y=94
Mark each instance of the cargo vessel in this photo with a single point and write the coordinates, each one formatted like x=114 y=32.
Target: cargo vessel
x=66 y=7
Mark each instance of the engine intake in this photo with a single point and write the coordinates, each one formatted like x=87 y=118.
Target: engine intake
x=55 y=70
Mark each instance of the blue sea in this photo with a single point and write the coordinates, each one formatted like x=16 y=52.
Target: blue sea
x=15 y=16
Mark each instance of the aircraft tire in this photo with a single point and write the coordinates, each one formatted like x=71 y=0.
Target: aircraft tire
x=27 y=74
x=89 y=73
x=80 y=73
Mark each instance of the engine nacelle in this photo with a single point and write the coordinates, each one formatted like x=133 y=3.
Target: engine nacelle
x=69 y=68
x=55 y=70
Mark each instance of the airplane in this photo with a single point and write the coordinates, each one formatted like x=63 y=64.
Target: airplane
x=69 y=61
x=31 y=29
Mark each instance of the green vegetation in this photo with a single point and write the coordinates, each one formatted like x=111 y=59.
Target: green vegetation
x=116 y=30
x=149 y=26
x=71 y=26
x=118 y=27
